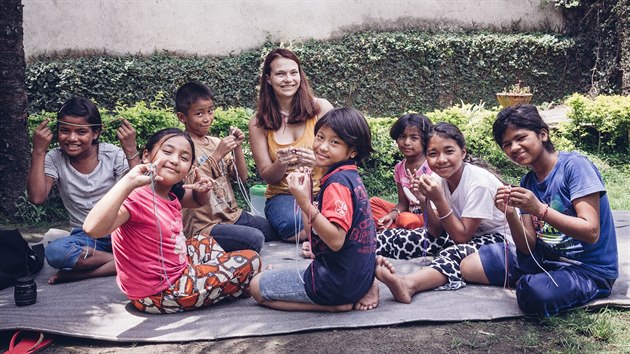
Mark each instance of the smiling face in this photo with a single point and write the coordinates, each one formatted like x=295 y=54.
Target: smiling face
x=199 y=117
x=329 y=148
x=445 y=157
x=284 y=77
x=523 y=146
x=410 y=142
x=76 y=136
x=174 y=158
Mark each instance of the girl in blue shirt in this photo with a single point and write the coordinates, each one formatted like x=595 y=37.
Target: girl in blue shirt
x=566 y=247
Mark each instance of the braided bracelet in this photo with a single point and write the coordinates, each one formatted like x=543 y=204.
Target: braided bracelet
x=544 y=212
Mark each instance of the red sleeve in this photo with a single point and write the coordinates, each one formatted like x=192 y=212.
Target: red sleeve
x=337 y=205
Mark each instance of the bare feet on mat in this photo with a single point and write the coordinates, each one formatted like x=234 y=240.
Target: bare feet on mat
x=59 y=277
x=386 y=273
x=306 y=250
x=369 y=301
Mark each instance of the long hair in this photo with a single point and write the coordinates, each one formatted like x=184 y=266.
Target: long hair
x=303 y=105
x=450 y=131
x=351 y=127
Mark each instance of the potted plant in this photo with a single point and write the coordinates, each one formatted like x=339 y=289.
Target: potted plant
x=514 y=94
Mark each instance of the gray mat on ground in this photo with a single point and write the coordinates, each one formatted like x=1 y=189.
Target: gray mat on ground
x=96 y=308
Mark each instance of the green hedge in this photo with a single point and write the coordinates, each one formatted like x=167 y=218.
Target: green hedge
x=381 y=73
x=601 y=124
x=610 y=114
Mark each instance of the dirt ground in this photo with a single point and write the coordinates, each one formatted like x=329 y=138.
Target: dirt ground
x=502 y=336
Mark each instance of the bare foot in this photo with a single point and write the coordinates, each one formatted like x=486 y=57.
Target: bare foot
x=386 y=273
x=369 y=301
x=306 y=250
x=59 y=277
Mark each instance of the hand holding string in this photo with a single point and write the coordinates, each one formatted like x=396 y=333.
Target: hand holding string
x=299 y=184
x=143 y=174
x=42 y=136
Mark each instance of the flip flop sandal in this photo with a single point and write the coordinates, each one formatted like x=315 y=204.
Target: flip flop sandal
x=26 y=342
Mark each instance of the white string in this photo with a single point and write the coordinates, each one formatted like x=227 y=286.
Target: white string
x=157 y=218
x=527 y=243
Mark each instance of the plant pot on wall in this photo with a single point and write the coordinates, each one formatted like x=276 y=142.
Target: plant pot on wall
x=507 y=99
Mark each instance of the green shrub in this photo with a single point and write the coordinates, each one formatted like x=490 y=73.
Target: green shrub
x=601 y=124
x=379 y=73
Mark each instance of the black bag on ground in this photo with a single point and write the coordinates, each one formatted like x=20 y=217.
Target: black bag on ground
x=17 y=259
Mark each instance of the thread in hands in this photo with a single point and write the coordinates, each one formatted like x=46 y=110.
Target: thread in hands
x=507 y=201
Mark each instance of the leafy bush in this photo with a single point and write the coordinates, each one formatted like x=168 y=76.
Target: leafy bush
x=601 y=124
x=380 y=73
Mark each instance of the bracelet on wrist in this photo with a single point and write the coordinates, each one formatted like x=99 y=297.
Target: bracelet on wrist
x=542 y=212
x=397 y=212
x=445 y=215
x=132 y=156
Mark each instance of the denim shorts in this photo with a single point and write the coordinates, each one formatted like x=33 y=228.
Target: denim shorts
x=63 y=253
x=283 y=285
x=283 y=215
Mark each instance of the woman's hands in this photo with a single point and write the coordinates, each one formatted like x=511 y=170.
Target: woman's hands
x=296 y=156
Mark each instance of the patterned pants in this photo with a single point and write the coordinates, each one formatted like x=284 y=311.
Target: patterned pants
x=406 y=244
x=211 y=276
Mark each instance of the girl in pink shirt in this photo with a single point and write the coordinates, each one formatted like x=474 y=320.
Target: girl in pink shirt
x=410 y=132
x=158 y=269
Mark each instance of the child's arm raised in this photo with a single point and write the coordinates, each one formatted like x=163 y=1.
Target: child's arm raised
x=126 y=134
x=38 y=184
x=239 y=156
x=300 y=186
x=108 y=214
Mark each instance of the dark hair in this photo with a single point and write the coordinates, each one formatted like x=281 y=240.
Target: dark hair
x=82 y=107
x=524 y=116
x=422 y=122
x=160 y=137
x=351 y=127
x=303 y=105
x=190 y=93
x=450 y=131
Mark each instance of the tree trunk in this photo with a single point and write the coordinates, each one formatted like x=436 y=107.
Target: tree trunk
x=623 y=15
x=14 y=140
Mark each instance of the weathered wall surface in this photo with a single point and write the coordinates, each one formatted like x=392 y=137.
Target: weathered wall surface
x=218 y=27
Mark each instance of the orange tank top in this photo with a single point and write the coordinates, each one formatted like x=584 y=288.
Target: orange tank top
x=305 y=141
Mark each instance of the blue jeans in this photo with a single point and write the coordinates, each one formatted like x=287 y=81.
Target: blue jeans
x=63 y=253
x=283 y=216
x=536 y=292
x=284 y=285
x=249 y=232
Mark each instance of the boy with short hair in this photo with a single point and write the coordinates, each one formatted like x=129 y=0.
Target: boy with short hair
x=233 y=228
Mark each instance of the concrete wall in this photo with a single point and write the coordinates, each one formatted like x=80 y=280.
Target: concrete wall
x=216 y=27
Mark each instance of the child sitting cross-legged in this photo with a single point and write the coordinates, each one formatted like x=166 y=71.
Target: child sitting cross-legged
x=341 y=276
x=223 y=161
x=157 y=267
